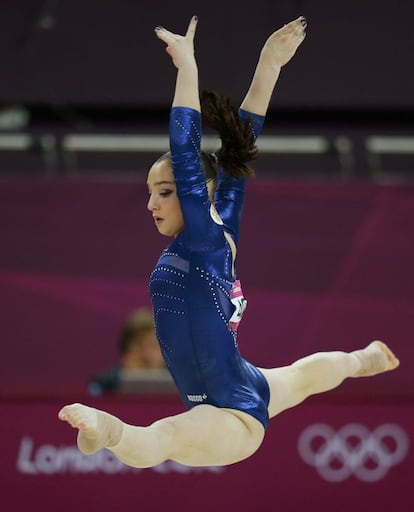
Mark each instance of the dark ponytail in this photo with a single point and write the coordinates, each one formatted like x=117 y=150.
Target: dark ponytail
x=237 y=138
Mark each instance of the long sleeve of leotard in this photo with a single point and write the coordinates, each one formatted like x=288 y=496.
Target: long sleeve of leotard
x=229 y=197
x=200 y=232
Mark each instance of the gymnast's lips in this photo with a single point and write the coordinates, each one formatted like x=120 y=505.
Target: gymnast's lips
x=157 y=220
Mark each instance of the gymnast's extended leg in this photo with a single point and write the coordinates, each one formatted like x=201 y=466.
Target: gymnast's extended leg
x=202 y=436
x=290 y=385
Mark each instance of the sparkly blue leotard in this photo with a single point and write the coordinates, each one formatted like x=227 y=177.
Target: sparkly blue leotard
x=192 y=284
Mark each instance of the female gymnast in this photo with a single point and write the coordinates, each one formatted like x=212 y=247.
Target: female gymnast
x=197 y=299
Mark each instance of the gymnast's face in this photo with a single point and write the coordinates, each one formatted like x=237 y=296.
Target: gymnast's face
x=163 y=202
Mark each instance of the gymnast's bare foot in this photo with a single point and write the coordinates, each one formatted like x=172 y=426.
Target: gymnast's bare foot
x=97 y=429
x=375 y=358
x=81 y=417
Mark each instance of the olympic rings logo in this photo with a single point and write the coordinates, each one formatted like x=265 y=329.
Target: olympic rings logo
x=353 y=450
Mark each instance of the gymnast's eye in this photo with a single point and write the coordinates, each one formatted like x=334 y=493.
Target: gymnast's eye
x=165 y=192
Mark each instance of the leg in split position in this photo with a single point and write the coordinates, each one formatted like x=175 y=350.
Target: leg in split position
x=202 y=436
x=322 y=371
x=207 y=435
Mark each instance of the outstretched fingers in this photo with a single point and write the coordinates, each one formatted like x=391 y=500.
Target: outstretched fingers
x=282 y=44
x=294 y=30
x=170 y=37
x=165 y=35
x=179 y=47
x=295 y=25
x=192 y=26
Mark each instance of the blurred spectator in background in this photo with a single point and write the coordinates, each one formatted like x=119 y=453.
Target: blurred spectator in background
x=141 y=367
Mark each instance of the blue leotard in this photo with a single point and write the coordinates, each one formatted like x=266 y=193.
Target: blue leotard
x=191 y=284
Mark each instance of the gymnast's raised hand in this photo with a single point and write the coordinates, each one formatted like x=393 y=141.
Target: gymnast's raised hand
x=281 y=46
x=277 y=51
x=180 y=48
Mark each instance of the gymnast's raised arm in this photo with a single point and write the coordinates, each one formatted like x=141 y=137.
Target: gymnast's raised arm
x=199 y=232
x=181 y=50
x=277 y=51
